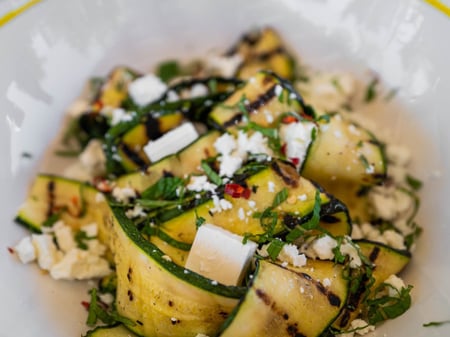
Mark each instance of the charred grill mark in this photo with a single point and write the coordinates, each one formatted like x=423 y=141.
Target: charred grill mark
x=139 y=322
x=51 y=197
x=168 y=174
x=287 y=173
x=129 y=273
x=253 y=106
x=333 y=299
x=133 y=156
x=330 y=219
x=374 y=254
x=292 y=330
x=291 y=221
x=263 y=296
x=152 y=127
x=223 y=314
x=267 y=55
x=130 y=295
x=344 y=318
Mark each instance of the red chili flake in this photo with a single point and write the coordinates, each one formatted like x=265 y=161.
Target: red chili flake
x=289 y=119
x=295 y=161
x=85 y=304
x=11 y=250
x=237 y=191
x=97 y=106
x=74 y=200
x=307 y=117
x=104 y=186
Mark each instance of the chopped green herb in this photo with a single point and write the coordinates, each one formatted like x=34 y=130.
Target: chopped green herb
x=388 y=307
x=365 y=162
x=168 y=70
x=280 y=197
x=164 y=189
x=371 y=92
x=414 y=183
x=199 y=220
x=80 y=238
x=212 y=85
x=275 y=248
x=281 y=96
x=315 y=218
x=152 y=204
x=210 y=173
x=324 y=118
x=435 y=323
x=51 y=220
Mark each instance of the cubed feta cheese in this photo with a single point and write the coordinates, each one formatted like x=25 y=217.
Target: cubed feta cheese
x=229 y=165
x=225 y=144
x=297 y=137
x=220 y=255
x=171 y=142
x=25 y=250
x=200 y=183
x=323 y=248
x=146 y=89
x=289 y=253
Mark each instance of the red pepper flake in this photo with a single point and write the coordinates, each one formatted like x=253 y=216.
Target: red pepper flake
x=104 y=186
x=289 y=119
x=295 y=161
x=74 y=200
x=11 y=250
x=237 y=191
x=97 y=106
x=85 y=304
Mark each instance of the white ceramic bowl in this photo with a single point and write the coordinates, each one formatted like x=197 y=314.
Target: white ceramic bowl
x=50 y=50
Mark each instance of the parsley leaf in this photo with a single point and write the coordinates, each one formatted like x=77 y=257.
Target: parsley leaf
x=435 y=323
x=168 y=70
x=280 y=197
x=371 y=92
x=164 y=189
x=80 y=238
x=210 y=173
x=274 y=248
x=414 y=183
x=315 y=218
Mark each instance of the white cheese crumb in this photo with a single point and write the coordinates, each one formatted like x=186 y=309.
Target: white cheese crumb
x=135 y=212
x=227 y=66
x=172 y=96
x=396 y=284
x=278 y=90
x=46 y=251
x=198 y=90
x=361 y=326
x=220 y=204
x=326 y=282
x=64 y=236
x=25 y=250
x=80 y=265
x=167 y=258
x=229 y=165
x=225 y=144
x=394 y=239
x=119 y=115
x=252 y=203
x=289 y=253
x=399 y=155
x=241 y=213
x=91 y=230
x=349 y=250
x=271 y=186
x=323 y=247
x=200 y=183
x=123 y=194
x=297 y=137
x=302 y=197
x=106 y=298
x=99 y=197
x=146 y=89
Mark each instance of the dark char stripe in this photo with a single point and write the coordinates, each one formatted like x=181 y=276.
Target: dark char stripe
x=51 y=197
x=133 y=156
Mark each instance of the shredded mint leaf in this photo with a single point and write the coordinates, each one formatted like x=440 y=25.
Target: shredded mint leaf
x=315 y=218
x=325 y=118
x=151 y=204
x=212 y=85
x=51 y=220
x=387 y=307
x=164 y=189
x=294 y=234
x=275 y=248
x=168 y=70
x=371 y=92
x=414 y=183
x=435 y=323
x=199 y=220
x=280 y=197
x=80 y=238
x=210 y=173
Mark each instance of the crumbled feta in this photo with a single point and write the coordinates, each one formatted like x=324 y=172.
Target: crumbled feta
x=297 y=137
x=25 y=250
x=80 y=265
x=394 y=239
x=106 y=298
x=271 y=186
x=198 y=90
x=241 y=214
x=135 y=212
x=399 y=155
x=225 y=144
x=361 y=327
x=390 y=203
x=91 y=230
x=302 y=197
x=229 y=165
x=220 y=255
x=93 y=158
x=172 y=96
x=200 y=183
x=46 y=250
x=349 y=250
x=323 y=248
x=256 y=143
x=146 y=89
x=278 y=90
x=119 y=115
x=171 y=142
x=396 y=284
x=95 y=247
x=227 y=66
x=289 y=253
x=64 y=236
x=326 y=282
x=123 y=194
x=220 y=204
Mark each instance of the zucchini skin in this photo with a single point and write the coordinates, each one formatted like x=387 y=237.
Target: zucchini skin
x=110 y=331
x=162 y=296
